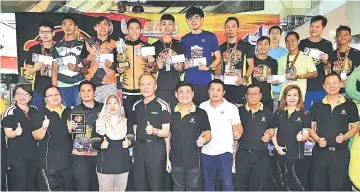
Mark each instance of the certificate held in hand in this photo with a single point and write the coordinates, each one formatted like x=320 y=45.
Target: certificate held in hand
x=78 y=123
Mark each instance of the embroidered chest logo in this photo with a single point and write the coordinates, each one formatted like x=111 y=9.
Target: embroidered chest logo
x=192 y=120
x=298 y=120
x=263 y=119
x=343 y=112
x=203 y=40
x=154 y=113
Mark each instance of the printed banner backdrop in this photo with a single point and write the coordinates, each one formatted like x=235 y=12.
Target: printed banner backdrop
x=252 y=26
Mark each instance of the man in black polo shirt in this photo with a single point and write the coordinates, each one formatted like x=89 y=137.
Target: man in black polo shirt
x=334 y=120
x=252 y=157
x=169 y=73
x=84 y=156
x=190 y=130
x=42 y=77
x=265 y=66
x=151 y=120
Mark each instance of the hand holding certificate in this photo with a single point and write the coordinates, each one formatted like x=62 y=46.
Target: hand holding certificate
x=276 y=78
x=78 y=123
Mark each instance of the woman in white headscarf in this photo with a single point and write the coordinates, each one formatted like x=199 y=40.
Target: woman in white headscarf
x=111 y=139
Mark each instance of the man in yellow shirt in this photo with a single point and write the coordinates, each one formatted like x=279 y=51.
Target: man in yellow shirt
x=296 y=66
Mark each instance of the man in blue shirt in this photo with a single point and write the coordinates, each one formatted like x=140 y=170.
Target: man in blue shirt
x=276 y=51
x=198 y=44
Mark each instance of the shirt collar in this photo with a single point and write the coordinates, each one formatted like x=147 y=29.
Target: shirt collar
x=260 y=109
x=96 y=104
x=128 y=42
x=192 y=109
x=57 y=111
x=341 y=101
x=107 y=40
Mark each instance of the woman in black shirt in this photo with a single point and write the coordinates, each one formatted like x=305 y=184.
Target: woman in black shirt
x=292 y=123
x=111 y=139
x=22 y=148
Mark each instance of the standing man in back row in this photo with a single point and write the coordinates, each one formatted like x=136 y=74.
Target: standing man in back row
x=198 y=44
x=169 y=73
x=315 y=91
x=67 y=71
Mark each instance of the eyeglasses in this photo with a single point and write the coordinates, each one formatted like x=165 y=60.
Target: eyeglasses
x=45 y=32
x=22 y=94
x=253 y=94
x=331 y=83
x=56 y=95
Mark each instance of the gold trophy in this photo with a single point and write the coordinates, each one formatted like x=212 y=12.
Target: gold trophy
x=122 y=50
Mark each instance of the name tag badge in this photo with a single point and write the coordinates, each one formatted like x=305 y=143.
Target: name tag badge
x=343 y=76
x=167 y=67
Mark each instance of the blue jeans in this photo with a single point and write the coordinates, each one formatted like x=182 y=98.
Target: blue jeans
x=312 y=97
x=38 y=100
x=70 y=96
x=221 y=163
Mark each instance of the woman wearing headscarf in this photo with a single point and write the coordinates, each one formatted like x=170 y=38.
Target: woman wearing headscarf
x=112 y=138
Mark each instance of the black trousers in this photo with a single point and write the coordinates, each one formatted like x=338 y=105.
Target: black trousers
x=200 y=94
x=288 y=175
x=84 y=169
x=251 y=170
x=168 y=96
x=185 y=179
x=149 y=165
x=128 y=101
x=23 y=177
x=58 y=181
x=331 y=169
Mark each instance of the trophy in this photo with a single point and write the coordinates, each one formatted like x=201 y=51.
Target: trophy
x=78 y=123
x=121 y=49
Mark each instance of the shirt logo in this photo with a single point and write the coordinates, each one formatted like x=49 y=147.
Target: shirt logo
x=263 y=119
x=203 y=40
x=343 y=112
x=124 y=96
x=192 y=120
x=222 y=112
x=154 y=113
x=298 y=120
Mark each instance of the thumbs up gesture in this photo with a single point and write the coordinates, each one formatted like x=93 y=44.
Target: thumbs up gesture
x=340 y=138
x=266 y=137
x=201 y=140
x=126 y=143
x=322 y=142
x=104 y=144
x=18 y=130
x=299 y=136
x=46 y=123
x=149 y=128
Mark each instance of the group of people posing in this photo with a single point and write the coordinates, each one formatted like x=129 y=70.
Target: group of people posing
x=194 y=129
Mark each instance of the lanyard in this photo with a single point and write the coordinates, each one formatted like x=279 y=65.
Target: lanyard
x=342 y=59
x=43 y=50
x=165 y=44
x=70 y=47
x=290 y=64
x=228 y=44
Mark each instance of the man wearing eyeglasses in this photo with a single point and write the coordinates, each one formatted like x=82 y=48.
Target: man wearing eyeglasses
x=334 y=120
x=39 y=69
x=252 y=157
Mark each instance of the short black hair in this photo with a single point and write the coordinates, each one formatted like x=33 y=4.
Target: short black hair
x=217 y=81
x=319 y=18
x=46 y=23
x=343 y=28
x=49 y=87
x=24 y=87
x=86 y=82
x=192 y=11
x=293 y=33
x=100 y=19
x=332 y=74
x=233 y=19
x=133 y=20
x=252 y=86
x=184 y=84
x=275 y=27
x=168 y=17
x=67 y=16
x=262 y=38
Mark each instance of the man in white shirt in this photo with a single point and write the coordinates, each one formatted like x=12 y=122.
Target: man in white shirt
x=225 y=124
